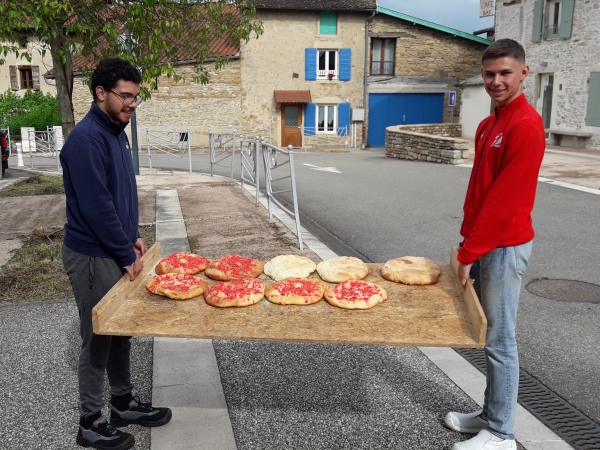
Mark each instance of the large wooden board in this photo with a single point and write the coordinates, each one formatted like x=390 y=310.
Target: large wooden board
x=443 y=315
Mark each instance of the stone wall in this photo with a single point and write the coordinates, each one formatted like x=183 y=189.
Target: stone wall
x=425 y=52
x=184 y=104
x=277 y=61
x=570 y=61
x=434 y=143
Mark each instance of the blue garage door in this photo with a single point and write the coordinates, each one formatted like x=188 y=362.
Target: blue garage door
x=401 y=109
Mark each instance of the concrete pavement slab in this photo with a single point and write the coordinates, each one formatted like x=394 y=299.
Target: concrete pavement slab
x=186 y=377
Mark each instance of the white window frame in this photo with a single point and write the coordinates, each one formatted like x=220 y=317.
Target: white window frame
x=551 y=30
x=326 y=116
x=324 y=74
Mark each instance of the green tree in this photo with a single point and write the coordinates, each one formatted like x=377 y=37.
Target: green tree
x=34 y=109
x=149 y=33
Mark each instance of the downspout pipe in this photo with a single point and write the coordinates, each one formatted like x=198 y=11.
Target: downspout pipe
x=364 y=142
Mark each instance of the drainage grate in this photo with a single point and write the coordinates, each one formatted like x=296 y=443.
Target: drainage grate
x=565 y=290
x=577 y=429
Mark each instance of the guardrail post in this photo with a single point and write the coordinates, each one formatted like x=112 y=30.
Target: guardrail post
x=189 y=140
x=232 y=155
x=295 y=197
x=257 y=149
x=20 y=155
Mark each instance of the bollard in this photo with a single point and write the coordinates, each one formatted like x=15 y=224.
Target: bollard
x=19 y=155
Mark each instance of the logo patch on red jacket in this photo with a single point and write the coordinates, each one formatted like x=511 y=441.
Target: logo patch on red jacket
x=497 y=141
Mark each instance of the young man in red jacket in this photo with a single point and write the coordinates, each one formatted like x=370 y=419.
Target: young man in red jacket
x=497 y=232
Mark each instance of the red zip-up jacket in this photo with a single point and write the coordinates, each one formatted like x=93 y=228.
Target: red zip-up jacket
x=509 y=148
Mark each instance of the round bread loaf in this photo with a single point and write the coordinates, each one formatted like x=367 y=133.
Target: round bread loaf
x=289 y=266
x=411 y=270
x=341 y=269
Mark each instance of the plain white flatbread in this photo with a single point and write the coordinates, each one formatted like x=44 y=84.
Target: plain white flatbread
x=289 y=266
x=343 y=268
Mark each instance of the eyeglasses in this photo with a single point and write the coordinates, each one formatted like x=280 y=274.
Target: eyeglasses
x=128 y=100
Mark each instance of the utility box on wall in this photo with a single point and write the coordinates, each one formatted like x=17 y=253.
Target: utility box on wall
x=358 y=115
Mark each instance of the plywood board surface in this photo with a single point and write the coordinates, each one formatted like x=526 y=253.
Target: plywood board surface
x=433 y=315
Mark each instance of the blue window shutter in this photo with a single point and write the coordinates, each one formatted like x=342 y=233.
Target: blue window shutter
x=310 y=63
x=328 y=23
x=309 y=119
x=538 y=21
x=345 y=63
x=566 y=20
x=344 y=119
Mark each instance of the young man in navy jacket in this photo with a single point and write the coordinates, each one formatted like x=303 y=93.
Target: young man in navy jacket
x=101 y=244
x=498 y=233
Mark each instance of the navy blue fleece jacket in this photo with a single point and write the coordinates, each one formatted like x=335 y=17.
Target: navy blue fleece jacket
x=99 y=180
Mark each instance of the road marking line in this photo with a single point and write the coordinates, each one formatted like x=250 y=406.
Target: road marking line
x=323 y=169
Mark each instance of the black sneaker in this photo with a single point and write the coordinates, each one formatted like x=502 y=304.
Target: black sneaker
x=103 y=436
x=141 y=414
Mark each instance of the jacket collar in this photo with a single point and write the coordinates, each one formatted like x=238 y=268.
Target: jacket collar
x=509 y=109
x=102 y=118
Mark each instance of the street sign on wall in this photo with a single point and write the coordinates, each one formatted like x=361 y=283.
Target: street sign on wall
x=452 y=98
x=486 y=8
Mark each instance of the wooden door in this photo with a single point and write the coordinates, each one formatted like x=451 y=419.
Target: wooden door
x=291 y=119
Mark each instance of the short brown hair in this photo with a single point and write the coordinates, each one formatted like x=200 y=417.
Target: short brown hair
x=502 y=48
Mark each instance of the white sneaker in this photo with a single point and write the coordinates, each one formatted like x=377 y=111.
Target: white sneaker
x=485 y=441
x=465 y=423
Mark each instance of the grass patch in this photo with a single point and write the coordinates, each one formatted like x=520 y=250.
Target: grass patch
x=36 y=272
x=35 y=185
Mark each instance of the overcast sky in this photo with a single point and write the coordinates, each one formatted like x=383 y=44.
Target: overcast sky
x=462 y=15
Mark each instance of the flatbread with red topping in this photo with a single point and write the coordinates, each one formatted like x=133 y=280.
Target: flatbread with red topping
x=411 y=270
x=244 y=292
x=295 y=291
x=355 y=294
x=182 y=262
x=178 y=286
x=233 y=267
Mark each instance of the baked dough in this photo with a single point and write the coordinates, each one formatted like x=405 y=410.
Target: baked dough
x=295 y=291
x=355 y=294
x=233 y=267
x=289 y=266
x=178 y=286
x=341 y=269
x=182 y=262
x=411 y=270
x=244 y=292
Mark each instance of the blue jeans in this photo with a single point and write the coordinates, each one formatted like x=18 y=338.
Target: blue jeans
x=497 y=278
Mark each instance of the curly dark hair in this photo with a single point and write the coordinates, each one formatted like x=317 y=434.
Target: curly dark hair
x=110 y=71
x=502 y=48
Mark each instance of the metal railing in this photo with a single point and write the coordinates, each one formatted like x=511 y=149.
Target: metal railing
x=382 y=67
x=171 y=141
x=279 y=167
x=43 y=142
x=222 y=148
x=250 y=167
x=266 y=131
x=314 y=137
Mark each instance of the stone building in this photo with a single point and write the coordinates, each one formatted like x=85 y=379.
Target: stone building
x=413 y=65
x=561 y=42
x=20 y=75
x=311 y=80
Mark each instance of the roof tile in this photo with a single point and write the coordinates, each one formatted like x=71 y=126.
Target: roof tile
x=292 y=96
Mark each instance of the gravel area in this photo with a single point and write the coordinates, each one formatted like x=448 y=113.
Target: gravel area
x=318 y=396
x=39 y=350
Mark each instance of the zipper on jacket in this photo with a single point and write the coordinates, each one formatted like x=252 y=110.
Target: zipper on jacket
x=477 y=168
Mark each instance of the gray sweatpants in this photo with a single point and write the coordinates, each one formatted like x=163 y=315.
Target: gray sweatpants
x=91 y=278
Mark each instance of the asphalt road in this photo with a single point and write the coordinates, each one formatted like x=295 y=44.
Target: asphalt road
x=383 y=208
